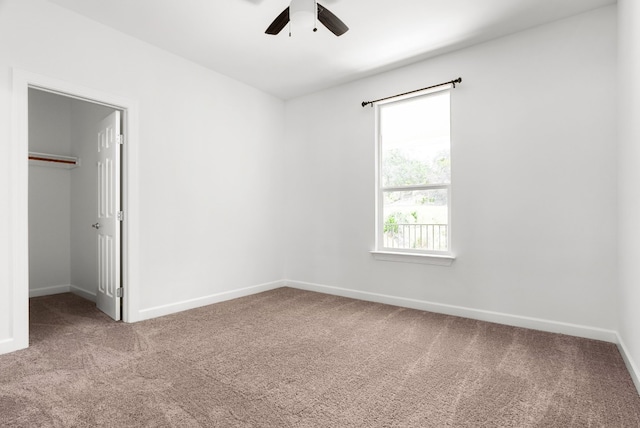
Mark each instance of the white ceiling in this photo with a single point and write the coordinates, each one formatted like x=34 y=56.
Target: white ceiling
x=228 y=35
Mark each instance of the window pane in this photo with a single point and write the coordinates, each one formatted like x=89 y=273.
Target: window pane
x=416 y=220
x=415 y=141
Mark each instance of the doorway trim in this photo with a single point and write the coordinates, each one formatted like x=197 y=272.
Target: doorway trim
x=19 y=188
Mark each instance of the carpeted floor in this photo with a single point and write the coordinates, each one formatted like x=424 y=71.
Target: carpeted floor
x=291 y=358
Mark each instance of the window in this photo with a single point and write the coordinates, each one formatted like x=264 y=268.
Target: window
x=414 y=175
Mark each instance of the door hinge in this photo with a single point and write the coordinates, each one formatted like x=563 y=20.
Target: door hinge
x=120 y=139
x=119 y=292
x=120 y=216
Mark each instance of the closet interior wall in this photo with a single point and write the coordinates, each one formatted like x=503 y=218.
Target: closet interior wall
x=62 y=202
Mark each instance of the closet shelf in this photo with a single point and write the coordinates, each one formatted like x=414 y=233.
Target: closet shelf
x=55 y=161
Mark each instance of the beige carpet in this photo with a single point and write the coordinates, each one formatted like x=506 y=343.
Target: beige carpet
x=290 y=358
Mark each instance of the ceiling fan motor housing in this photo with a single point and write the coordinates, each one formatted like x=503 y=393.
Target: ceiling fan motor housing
x=302 y=14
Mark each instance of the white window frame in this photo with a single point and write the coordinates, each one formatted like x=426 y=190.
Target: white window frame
x=444 y=258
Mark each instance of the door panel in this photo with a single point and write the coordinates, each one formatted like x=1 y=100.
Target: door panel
x=108 y=225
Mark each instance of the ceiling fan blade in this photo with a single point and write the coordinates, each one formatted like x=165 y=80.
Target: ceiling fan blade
x=279 y=23
x=332 y=22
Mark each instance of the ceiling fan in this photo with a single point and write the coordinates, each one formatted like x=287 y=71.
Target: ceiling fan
x=299 y=7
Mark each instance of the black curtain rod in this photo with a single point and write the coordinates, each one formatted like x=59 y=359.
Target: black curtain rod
x=452 y=82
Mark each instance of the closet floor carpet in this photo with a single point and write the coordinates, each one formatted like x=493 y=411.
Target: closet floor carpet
x=292 y=358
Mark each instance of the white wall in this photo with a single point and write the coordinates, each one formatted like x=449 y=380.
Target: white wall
x=629 y=177
x=85 y=120
x=210 y=149
x=534 y=180
x=49 y=194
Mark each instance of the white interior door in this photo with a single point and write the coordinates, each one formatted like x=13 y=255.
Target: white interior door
x=109 y=217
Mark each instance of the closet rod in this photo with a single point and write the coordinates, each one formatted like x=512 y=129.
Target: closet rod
x=64 y=161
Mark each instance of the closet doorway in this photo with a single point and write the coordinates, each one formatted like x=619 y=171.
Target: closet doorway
x=75 y=205
x=18 y=309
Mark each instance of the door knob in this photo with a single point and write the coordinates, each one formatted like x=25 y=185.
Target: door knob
x=96 y=226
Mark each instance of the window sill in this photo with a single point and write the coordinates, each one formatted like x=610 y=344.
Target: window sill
x=427 y=259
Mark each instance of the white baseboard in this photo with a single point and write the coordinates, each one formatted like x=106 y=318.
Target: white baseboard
x=631 y=366
x=7 y=345
x=58 y=289
x=171 y=308
x=460 y=311
x=47 y=291
x=83 y=293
